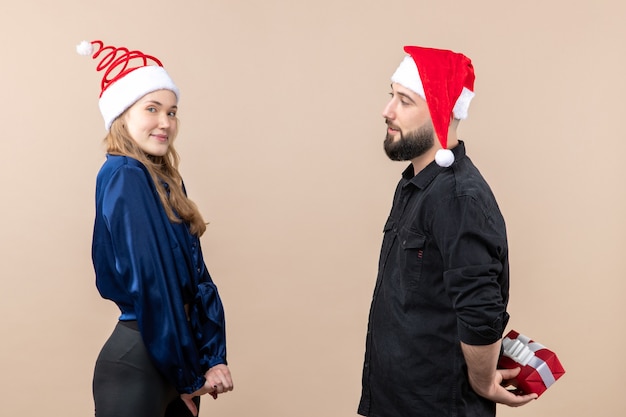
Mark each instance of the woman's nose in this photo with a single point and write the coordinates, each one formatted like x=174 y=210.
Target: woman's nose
x=164 y=120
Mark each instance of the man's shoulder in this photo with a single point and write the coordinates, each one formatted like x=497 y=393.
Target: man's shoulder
x=462 y=183
x=467 y=177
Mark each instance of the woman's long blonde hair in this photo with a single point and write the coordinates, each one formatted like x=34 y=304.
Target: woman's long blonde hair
x=162 y=169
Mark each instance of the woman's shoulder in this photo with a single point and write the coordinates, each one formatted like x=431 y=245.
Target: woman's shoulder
x=120 y=160
x=115 y=162
x=116 y=165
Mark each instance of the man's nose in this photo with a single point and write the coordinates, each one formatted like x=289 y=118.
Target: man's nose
x=389 y=111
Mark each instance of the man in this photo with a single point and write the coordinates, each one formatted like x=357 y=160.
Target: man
x=439 y=305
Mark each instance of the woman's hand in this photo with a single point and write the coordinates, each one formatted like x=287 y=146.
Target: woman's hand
x=218 y=381
x=188 y=400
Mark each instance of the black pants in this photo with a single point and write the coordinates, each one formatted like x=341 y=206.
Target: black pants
x=126 y=383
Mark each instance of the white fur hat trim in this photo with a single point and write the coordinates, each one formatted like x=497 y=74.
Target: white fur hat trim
x=408 y=76
x=124 y=92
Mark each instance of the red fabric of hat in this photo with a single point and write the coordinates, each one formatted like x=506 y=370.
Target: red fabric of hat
x=128 y=76
x=443 y=74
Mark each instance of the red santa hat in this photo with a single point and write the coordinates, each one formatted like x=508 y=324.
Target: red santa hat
x=128 y=76
x=443 y=78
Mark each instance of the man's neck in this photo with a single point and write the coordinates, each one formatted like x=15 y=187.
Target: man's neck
x=424 y=160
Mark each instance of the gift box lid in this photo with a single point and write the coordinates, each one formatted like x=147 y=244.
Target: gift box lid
x=540 y=366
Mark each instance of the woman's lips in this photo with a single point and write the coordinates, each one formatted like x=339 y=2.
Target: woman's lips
x=160 y=138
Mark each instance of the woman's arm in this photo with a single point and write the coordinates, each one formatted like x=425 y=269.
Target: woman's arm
x=145 y=257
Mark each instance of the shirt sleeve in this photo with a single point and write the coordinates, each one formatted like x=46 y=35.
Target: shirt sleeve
x=472 y=239
x=146 y=257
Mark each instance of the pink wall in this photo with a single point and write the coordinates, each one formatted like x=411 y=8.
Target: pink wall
x=281 y=143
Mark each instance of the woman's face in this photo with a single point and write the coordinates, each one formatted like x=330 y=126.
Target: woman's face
x=152 y=122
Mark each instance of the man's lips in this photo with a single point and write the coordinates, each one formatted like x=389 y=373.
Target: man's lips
x=392 y=128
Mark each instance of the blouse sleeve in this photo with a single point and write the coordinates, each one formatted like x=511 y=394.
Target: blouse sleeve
x=208 y=323
x=206 y=315
x=145 y=257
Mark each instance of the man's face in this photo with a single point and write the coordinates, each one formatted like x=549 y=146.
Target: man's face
x=409 y=128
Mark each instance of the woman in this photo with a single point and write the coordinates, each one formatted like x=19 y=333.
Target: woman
x=168 y=347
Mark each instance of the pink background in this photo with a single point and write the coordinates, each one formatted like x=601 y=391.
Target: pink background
x=281 y=144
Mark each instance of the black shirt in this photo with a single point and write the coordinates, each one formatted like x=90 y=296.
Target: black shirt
x=443 y=278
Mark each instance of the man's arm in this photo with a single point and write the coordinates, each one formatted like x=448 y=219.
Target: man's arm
x=486 y=379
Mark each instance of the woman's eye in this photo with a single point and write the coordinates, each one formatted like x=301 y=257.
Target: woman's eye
x=151 y=109
x=172 y=114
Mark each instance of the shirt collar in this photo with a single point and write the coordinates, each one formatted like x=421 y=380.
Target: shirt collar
x=426 y=175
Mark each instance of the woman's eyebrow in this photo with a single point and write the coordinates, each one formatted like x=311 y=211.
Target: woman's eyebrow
x=158 y=103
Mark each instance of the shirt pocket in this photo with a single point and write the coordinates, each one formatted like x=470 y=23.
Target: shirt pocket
x=411 y=256
x=388 y=238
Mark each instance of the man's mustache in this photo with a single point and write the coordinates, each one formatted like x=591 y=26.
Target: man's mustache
x=391 y=125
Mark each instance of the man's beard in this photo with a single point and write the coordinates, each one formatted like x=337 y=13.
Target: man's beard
x=411 y=145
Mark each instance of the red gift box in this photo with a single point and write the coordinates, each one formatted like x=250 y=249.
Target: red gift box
x=540 y=366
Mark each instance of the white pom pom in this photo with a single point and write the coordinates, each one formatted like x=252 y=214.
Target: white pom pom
x=444 y=157
x=84 y=48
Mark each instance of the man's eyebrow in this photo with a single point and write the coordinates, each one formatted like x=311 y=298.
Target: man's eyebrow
x=402 y=94
x=405 y=96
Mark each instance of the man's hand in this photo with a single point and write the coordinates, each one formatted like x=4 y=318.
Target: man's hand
x=218 y=381
x=488 y=381
x=498 y=393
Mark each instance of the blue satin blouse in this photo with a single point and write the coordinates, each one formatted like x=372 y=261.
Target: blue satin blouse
x=151 y=268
